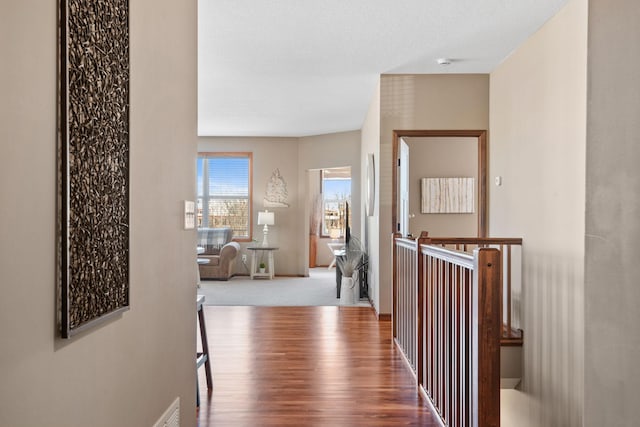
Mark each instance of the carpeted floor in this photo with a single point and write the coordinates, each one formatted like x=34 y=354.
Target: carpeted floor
x=317 y=289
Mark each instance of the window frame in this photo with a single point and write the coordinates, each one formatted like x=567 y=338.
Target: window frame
x=323 y=201
x=234 y=154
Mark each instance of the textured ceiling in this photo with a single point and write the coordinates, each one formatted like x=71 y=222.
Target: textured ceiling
x=309 y=67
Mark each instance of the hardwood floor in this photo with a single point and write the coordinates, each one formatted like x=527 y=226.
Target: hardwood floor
x=306 y=366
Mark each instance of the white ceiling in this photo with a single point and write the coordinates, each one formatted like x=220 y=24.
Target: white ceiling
x=309 y=67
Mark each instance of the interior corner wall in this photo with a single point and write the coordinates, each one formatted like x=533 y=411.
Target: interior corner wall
x=269 y=154
x=127 y=371
x=537 y=146
x=370 y=144
x=612 y=294
x=425 y=102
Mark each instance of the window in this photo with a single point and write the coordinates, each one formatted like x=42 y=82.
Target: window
x=336 y=191
x=224 y=192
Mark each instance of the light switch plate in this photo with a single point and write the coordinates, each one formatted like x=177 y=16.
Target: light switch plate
x=189 y=215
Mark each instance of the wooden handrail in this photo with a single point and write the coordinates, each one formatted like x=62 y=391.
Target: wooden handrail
x=462 y=259
x=476 y=240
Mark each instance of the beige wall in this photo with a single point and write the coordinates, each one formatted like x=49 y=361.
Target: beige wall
x=612 y=291
x=269 y=154
x=538 y=119
x=421 y=102
x=293 y=157
x=370 y=144
x=125 y=372
x=442 y=157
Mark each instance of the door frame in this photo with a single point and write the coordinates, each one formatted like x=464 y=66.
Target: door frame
x=481 y=135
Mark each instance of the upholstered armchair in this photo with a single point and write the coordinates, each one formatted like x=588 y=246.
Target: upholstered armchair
x=219 y=250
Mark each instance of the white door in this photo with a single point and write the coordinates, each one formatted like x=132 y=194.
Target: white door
x=403 y=203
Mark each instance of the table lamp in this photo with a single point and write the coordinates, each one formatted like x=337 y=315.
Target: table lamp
x=265 y=218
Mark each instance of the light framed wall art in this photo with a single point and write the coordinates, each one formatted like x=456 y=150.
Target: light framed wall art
x=447 y=195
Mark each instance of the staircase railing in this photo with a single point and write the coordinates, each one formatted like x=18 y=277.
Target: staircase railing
x=510 y=276
x=447 y=322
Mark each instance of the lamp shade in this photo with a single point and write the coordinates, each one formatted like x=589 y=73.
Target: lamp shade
x=266 y=218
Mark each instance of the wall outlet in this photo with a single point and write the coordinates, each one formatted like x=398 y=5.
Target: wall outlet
x=244 y=257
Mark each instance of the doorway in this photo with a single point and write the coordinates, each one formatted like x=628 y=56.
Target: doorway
x=407 y=190
x=329 y=193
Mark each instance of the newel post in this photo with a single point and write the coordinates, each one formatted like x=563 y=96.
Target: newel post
x=487 y=321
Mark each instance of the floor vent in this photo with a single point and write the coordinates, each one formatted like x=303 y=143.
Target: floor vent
x=171 y=417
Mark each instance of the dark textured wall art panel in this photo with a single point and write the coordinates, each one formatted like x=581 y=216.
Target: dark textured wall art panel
x=93 y=162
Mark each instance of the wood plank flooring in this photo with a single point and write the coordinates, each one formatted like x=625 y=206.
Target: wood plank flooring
x=306 y=366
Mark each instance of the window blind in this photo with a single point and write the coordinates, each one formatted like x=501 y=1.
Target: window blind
x=224 y=193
